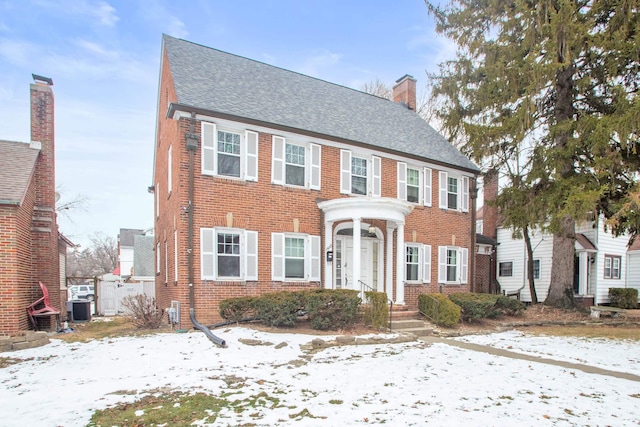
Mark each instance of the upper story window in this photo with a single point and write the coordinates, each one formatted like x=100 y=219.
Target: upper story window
x=612 y=267
x=454 y=192
x=228 y=254
x=453 y=264
x=417 y=263
x=295 y=256
x=296 y=165
x=360 y=175
x=414 y=184
x=229 y=153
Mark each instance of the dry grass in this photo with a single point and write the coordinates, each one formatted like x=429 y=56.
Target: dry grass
x=611 y=331
x=110 y=327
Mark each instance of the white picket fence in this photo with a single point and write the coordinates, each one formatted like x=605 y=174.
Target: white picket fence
x=110 y=295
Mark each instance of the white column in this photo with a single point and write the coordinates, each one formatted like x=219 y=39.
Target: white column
x=389 y=261
x=355 y=263
x=400 y=265
x=328 y=246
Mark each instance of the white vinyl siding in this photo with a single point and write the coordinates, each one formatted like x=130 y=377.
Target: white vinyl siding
x=291 y=252
x=453 y=265
x=228 y=254
x=360 y=175
x=454 y=192
x=296 y=164
x=230 y=153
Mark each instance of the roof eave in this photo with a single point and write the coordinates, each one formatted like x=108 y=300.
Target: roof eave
x=175 y=108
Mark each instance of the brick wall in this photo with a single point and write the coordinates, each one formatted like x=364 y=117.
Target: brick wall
x=266 y=208
x=16 y=266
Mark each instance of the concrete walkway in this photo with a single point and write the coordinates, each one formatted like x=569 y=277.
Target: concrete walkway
x=536 y=359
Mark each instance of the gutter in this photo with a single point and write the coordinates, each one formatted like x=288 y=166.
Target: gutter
x=175 y=108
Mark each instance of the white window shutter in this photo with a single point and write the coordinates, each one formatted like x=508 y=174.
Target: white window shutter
x=207 y=253
x=208 y=148
x=277 y=171
x=251 y=255
x=402 y=181
x=277 y=256
x=169 y=169
x=464 y=202
x=442 y=264
x=251 y=170
x=156 y=192
x=427 y=187
x=376 y=179
x=426 y=263
x=443 y=190
x=314 y=172
x=464 y=268
x=345 y=171
x=314 y=270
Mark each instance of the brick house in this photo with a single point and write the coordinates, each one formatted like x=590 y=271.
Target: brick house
x=262 y=175
x=31 y=248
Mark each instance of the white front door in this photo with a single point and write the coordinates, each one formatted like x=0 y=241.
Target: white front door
x=344 y=264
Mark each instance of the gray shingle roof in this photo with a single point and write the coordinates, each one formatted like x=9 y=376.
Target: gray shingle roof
x=18 y=163
x=217 y=81
x=126 y=236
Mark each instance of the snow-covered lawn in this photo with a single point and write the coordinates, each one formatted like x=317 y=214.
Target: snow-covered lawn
x=413 y=383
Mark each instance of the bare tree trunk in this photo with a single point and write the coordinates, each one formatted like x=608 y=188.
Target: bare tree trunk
x=561 y=286
x=532 y=285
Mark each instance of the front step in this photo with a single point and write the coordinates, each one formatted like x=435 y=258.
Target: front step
x=411 y=326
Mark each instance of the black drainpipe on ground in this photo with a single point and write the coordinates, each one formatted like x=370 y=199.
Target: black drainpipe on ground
x=192 y=146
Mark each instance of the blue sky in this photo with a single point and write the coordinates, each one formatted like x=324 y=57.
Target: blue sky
x=103 y=57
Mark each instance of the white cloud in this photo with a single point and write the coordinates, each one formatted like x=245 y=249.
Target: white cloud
x=97 y=49
x=314 y=65
x=17 y=52
x=167 y=22
x=100 y=12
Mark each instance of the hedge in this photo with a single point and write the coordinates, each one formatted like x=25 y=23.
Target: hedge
x=376 y=312
x=237 y=309
x=624 y=297
x=332 y=308
x=440 y=309
x=278 y=308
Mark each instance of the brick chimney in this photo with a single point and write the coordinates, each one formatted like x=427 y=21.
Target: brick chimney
x=404 y=91
x=42 y=132
x=44 y=228
x=490 y=213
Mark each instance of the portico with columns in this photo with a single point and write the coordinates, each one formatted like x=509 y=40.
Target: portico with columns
x=353 y=256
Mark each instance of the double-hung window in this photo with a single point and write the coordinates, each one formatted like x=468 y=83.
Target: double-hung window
x=296 y=164
x=454 y=192
x=228 y=254
x=230 y=153
x=505 y=269
x=360 y=175
x=536 y=268
x=414 y=184
x=295 y=257
x=612 y=267
x=417 y=263
x=453 y=264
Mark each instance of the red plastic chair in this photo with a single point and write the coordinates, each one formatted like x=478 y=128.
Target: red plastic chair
x=42 y=308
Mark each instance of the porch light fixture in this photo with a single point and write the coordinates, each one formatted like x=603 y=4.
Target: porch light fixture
x=372 y=231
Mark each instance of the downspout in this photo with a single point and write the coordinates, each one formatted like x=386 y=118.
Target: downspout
x=472 y=250
x=192 y=146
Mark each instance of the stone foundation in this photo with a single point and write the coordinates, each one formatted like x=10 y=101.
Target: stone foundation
x=24 y=340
